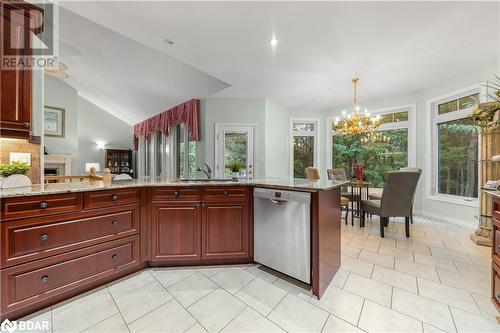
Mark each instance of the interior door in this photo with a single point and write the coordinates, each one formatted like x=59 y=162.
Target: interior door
x=235 y=143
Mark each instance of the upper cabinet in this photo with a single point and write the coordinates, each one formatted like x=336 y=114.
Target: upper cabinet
x=15 y=84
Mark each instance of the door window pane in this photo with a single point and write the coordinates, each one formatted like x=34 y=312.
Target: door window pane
x=235 y=150
x=303 y=127
x=457 y=158
x=303 y=155
x=458 y=104
x=383 y=151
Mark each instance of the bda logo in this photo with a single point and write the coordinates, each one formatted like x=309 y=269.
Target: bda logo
x=8 y=326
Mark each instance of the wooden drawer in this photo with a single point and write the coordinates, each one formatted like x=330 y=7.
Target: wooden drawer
x=40 y=205
x=225 y=194
x=175 y=194
x=31 y=239
x=495 y=249
x=495 y=285
x=25 y=284
x=100 y=199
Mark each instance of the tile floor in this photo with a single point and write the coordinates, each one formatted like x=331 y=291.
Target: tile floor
x=436 y=281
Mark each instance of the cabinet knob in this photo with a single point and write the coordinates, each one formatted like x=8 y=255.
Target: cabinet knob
x=26 y=125
x=115 y=222
x=44 y=237
x=176 y=193
x=44 y=204
x=114 y=257
x=226 y=193
x=114 y=197
x=44 y=279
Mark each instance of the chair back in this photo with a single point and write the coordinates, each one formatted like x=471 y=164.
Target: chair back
x=336 y=174
x=399 y=193
x=312 y=173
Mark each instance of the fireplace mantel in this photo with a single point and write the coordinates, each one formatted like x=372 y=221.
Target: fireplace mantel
x=60 y=162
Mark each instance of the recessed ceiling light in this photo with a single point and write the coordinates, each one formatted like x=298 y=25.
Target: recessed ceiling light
x=168 y=41
x=273 y=42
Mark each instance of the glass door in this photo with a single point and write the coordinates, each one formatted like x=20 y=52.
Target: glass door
x=234 y=147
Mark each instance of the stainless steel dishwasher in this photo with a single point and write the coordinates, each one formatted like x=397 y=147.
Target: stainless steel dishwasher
x=282 y=231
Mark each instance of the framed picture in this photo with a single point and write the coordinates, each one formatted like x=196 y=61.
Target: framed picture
x=53 y=121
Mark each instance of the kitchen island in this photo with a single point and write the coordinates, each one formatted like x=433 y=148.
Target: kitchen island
x=60 y=240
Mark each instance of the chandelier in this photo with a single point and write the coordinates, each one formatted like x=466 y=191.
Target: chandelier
x=356 y=122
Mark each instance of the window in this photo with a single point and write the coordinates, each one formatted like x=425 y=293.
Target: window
x=388 y=149
x=304 y=146
x=455 y=147
x=186 y=150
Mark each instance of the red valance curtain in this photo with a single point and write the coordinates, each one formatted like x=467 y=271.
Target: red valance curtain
x=185 y=113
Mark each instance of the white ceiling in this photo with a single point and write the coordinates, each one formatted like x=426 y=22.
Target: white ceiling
x=394 y=47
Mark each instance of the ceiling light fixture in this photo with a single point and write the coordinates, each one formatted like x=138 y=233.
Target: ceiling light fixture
x=273 y=42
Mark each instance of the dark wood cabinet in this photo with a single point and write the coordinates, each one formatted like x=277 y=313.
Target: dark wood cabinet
x=225 y=231
x=495 y=254
x=15 y=81
x=119 y=161
x=176 y=231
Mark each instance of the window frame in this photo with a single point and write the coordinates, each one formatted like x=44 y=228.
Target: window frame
x=410 y=124
x=314 y=134
x=433 y=120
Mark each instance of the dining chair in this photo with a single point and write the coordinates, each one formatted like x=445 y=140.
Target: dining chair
x=312 y=173
x=415 y=170
x=345 y=195
x=397 y=199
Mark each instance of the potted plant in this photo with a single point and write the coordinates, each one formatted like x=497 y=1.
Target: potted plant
x=235 y=168
x=13 y=174
x=485 y=115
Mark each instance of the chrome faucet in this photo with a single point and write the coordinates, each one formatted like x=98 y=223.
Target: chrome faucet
x=207 y=171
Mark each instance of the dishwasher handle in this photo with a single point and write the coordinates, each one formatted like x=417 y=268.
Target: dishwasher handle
x=278 y=202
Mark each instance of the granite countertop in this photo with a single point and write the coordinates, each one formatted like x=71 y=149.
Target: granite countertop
x=54 y=188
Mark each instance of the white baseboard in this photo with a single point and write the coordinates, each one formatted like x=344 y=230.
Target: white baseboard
x=446 y=218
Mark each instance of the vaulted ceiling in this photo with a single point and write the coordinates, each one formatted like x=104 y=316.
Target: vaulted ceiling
x=118 y=53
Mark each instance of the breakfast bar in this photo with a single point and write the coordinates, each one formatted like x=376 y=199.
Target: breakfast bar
x=60 y=240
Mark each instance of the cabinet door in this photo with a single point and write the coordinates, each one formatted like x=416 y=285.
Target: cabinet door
x=225 y=230
x=176 y=232
x=15 y=83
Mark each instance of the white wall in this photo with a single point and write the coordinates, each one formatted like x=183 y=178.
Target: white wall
x=277 y=154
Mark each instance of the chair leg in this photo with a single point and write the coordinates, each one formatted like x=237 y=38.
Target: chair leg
x=346 y=214
x=382 y=222
x=352 y=213
x=411 y=218
x=407 y=226
x=362 y=219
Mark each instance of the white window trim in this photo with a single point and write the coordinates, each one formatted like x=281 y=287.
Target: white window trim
x=411 y=124
x=255 y=145
x=431 y=131
x=315 y=134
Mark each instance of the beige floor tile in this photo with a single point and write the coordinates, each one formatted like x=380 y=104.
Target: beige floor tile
x=357 y=266
x=367 y=245
x=472 y=284
x=437 y=262
x=41 y=318
x=192 y=288
x=170 y=317
x=171 y=276
x=373 y=290
x=232 y=279
x=262 y=274
x=113 y=324
x=423 y=309
x=473 y=270
x=485 y=305
x=397 y=253
x=216 y=310
x=340 y=278
x=251 y=321
x=209 y=271
x=296 y=315
x=416 y=269
x=341 y=303
x=377 y=318
x=350 y=251
x=431 y=329
x=451 y=255
x=452 y=296
x=382 y=241
x=395 y=278
x=85 y=314
x=197 y=328
x=130 y=283
x=261 y=295
x=80 y=299
x=137 y=303
x=376 y=258
x=294 y=289
x=336 y=325
x=468 y=322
